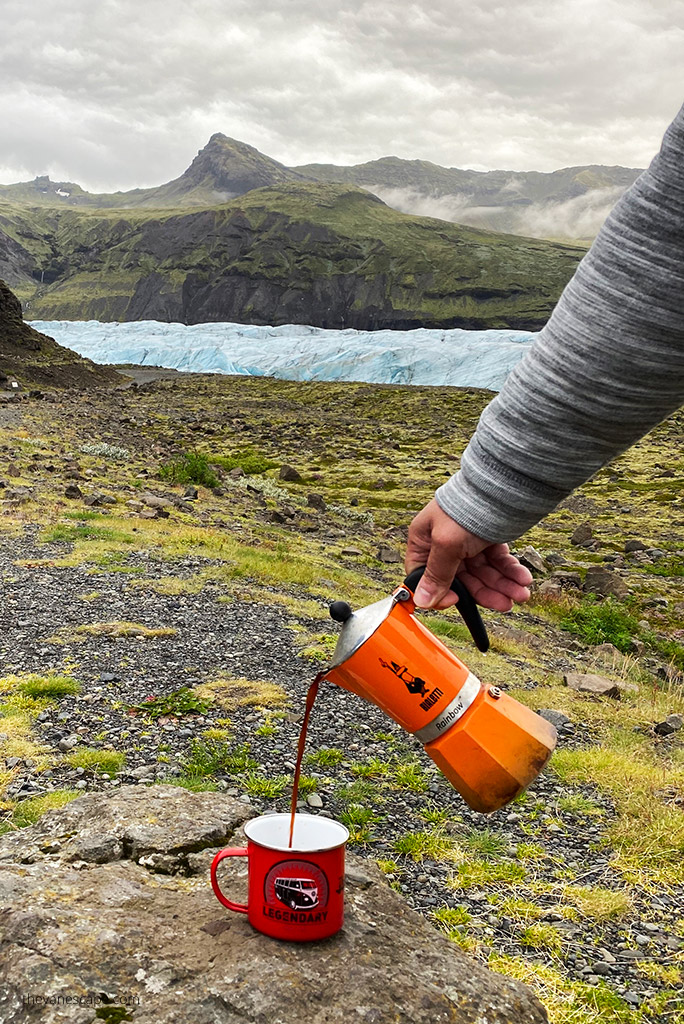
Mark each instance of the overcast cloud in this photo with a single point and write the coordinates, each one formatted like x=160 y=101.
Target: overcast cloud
x=121 y=93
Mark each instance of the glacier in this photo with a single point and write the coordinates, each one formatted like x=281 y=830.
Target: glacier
x=294 y=352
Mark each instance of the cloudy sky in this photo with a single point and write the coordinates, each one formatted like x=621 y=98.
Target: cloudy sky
x=118 y=93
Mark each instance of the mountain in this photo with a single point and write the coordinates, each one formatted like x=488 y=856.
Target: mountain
x=483 y=188
x=570 y=203
x=33 y=359
x=304 y=253
x=223 y=169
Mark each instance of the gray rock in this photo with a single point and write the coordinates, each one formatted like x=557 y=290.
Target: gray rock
x=316 y=501
x=635 y=545
x=95 y=848
x=556 y=718
x=314 y=800
x=73 y=491
x=582 y=534
x=67 y=743
x=532 y=560
x=179 y=956
x=291 y=474
x=567 y=580
x=155 y=502
x=604 y=583
x=672 y=723
x=598 y=685
x=549 y=588
x=388 y=555
x=145 y=771
x=93 y=500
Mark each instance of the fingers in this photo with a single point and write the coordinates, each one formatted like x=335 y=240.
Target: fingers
x=447 y=545
x=495 y=578
x=485 y=596
x=419 y=539
x=502 y=572
x=508 y=564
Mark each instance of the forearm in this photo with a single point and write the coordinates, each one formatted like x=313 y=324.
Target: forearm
x=608 y=366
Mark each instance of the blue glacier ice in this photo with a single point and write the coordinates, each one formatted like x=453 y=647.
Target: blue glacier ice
x=296 y=352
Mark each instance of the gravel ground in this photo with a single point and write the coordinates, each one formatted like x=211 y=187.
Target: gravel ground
x=246 y=640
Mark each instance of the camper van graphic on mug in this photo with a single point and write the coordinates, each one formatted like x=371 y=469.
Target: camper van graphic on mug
x=297 y=892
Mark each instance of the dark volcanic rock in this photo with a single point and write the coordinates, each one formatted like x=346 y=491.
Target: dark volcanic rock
x=33 y=358
x=126 y=926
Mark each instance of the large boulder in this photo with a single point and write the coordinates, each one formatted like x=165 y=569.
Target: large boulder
x=107 y=903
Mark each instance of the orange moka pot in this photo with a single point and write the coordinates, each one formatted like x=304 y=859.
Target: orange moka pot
x=489 y=746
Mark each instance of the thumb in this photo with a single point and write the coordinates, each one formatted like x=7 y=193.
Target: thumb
x=436 y=582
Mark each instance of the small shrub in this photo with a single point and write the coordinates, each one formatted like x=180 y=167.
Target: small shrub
x=267 y=789
x=356 y=792
x=541 y=936
x=106 y=451
x=211 y=757
x=481 y=873
x=601 y=622
x=181 y=702
x=249 y=461
x=486 y=844
x=530 y=851
x=49 y=686
x=434 y=815
x=419 y=845
x=307 y=784
x=359 y=821
x=411 y=775
x=326 y=757
x=451 y=917
x=374 y=768
x=388 y=867
x=190 y=468
x=102 y=762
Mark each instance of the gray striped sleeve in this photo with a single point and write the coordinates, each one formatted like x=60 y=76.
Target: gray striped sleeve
x=607 y=367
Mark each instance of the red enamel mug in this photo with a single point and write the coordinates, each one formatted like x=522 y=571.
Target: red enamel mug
x=294 y=892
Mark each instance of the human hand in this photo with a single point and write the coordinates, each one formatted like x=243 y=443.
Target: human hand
x=494 y=576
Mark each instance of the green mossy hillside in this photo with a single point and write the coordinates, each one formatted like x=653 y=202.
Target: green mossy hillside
x=316 y=253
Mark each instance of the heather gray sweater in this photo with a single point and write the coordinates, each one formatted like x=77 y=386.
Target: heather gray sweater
x=607 y=367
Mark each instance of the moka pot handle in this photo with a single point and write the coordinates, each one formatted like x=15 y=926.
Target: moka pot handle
x=466 y=606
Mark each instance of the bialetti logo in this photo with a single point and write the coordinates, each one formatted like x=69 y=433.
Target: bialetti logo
x=432 y=699
x=414 y=684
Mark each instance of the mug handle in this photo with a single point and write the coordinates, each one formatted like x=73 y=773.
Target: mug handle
x=234 y=851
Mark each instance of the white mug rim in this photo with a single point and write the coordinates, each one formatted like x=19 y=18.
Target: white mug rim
x=316 y=822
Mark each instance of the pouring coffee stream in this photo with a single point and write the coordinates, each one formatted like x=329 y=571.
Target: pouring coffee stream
x=488 y=745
